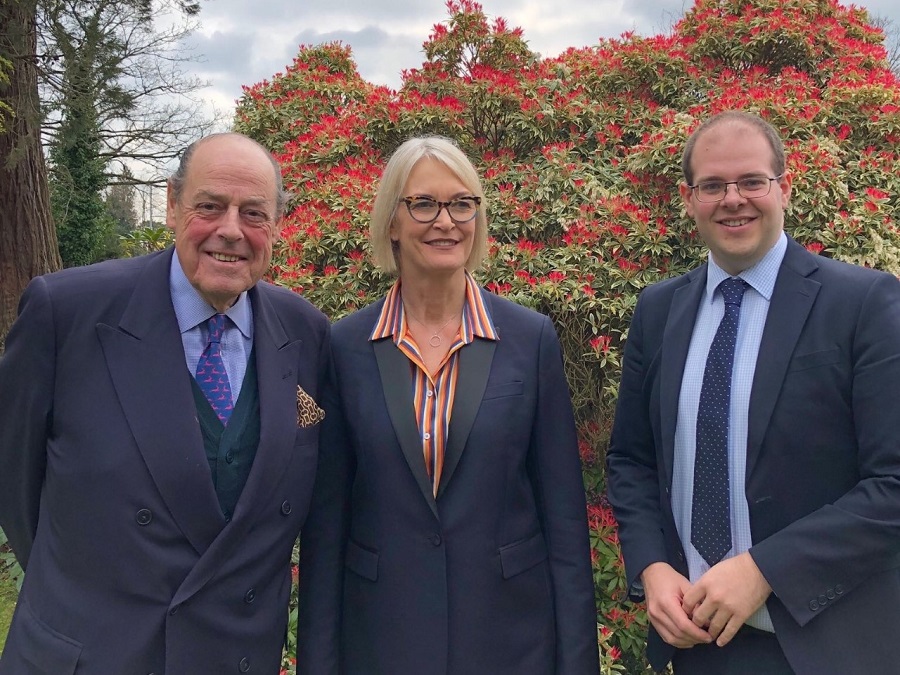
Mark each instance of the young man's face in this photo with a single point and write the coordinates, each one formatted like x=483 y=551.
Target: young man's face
x=738 y=231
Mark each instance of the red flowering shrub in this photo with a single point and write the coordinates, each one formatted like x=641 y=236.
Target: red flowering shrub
x=580 y=156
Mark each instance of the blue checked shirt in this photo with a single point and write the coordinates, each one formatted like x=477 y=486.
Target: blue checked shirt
x=754 y=310
x=192 y=313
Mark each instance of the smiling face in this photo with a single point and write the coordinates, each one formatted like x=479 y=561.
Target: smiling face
x=438 y=249
x=225 y=219
x=738 y=231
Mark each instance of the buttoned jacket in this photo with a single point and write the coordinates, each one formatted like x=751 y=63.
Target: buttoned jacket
x=106 y=494
x=823 y=456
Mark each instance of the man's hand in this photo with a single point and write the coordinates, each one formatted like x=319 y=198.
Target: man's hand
x=665 y=590
x=723 y=598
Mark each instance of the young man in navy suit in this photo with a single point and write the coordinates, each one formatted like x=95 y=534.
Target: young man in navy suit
x=773 y=549
x=155 y=520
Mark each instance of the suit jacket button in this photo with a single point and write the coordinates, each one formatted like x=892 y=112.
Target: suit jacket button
x=436 y=539
x=823 y=600
x=839 y=590
x=244 y=665
x=813 y=605
x=229 y=457
x=143 y=517
x=250 y=596
x=286 y=508
x=830 y=594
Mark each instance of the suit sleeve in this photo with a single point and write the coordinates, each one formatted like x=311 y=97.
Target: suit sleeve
x=27 y=371
x=843 y=544
x=632 y=471
x=560 y=495
x=322 y=544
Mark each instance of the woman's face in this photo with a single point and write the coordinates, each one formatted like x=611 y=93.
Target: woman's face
x=442 y=247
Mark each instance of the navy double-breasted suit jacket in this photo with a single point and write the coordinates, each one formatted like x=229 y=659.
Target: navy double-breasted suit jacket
x=494 y=575
x=823 y=456
x=105 y=490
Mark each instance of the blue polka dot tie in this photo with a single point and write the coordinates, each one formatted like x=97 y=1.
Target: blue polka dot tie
x=211 y=374
x=710 y=506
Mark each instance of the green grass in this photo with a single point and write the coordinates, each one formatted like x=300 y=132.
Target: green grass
x=7 y=605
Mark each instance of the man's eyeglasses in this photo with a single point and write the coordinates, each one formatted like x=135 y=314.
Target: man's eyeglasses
x=426 y=210
x=752 y=187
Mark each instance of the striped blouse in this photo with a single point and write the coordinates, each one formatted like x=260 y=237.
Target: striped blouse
x=433 y=396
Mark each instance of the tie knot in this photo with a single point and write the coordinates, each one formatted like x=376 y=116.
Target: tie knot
x=216 y=325
x=733 y=290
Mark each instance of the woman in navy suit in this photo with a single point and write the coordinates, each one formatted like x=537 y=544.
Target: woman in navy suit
x=448 y=532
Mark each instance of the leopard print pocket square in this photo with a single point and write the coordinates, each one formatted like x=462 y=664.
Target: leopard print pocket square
x=309 y=413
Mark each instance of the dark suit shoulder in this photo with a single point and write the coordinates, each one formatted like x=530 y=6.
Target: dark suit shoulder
x=829 y=268
x=83 y=296
x=844 y=281
x=659 y=294
x=289 y=303
x=359 y=323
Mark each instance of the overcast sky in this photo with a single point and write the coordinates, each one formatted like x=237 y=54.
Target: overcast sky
x=243 y=42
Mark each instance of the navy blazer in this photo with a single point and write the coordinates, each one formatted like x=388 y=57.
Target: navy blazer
x=494 y=575
x=105 y=491
x=823 y=456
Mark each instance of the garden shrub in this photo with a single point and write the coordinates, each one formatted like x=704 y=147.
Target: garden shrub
x=580 y=157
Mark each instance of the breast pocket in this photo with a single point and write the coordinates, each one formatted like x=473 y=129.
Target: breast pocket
x=504 y=390
x=824 y=357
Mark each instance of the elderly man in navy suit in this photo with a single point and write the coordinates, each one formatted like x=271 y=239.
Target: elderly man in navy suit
x=154 y=516
x=754 y=465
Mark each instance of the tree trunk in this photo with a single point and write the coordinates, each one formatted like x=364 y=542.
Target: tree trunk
x=28 y=245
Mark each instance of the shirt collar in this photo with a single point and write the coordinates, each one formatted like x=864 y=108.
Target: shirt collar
x=761 y=277
x=191 y=309
x=477 y=320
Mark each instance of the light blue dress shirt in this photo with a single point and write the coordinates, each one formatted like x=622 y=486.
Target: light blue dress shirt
x=754 y=310
x=192 y=313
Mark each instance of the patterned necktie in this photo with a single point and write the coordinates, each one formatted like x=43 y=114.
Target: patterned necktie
x=211 y=374
x=710 y=506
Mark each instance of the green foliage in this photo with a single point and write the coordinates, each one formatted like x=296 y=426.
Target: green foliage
x=580 y=157
x=11 y=577
x=146 y=239
x=77 y=170
x=5 y=111
x=76 y=181
x=9 y=566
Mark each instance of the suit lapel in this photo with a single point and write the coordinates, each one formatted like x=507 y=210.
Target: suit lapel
x=277 y=360
x=675 y=343
x=395 y=381
x=792 y=299
x=145 y=358
x=474 y=367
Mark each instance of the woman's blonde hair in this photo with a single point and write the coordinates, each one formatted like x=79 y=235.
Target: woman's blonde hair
x=394 y=178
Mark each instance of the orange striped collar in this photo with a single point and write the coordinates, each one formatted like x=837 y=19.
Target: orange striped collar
x=476 y=318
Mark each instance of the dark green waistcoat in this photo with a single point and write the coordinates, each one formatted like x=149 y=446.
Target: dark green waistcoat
x=230 y=449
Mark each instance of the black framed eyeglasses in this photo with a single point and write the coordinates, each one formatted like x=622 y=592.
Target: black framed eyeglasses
x=752 y=187
x=426 y=210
